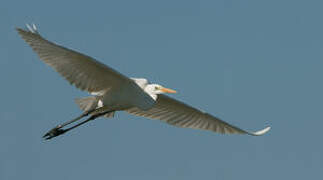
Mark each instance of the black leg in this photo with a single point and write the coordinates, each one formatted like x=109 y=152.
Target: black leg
x=57 y=128
x=86 y=113
x=58 y=131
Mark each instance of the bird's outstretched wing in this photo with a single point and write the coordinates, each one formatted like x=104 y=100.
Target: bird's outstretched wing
x=80 y=70
x=83 y=71
x=179 y=114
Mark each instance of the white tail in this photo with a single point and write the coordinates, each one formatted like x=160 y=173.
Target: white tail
x=87 y=103
x=91 y=103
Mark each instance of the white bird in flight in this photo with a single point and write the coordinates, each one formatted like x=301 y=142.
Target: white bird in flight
x=113 y=91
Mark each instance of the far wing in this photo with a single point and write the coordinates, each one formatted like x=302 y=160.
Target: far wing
x=80 y=70
x=179 y=114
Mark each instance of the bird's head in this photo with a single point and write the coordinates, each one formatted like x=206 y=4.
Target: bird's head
x=154 y=89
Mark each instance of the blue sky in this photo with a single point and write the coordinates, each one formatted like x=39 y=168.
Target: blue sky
x=251 y=63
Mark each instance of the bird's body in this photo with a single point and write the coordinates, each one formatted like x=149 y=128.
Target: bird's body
x=111 y=91
x=119 y=99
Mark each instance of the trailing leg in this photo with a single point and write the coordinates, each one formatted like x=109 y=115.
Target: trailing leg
x=59 y=131
x=56 y=129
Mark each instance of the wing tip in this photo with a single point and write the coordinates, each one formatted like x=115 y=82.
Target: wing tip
x=261 y=132
x=19 y=30
x=32 y=28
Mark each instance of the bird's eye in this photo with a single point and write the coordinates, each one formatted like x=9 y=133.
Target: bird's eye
x=156 y=88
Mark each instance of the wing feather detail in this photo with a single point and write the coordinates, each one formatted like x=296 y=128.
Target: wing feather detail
x=179 y=114
x=78 y=69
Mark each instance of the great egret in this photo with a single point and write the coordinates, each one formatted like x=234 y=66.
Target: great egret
x=113 y=91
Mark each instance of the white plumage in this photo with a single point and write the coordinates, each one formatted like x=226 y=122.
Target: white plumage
x=113 y=91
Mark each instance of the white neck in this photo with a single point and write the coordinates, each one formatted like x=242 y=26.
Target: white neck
x=151 y=93
x=144 y=85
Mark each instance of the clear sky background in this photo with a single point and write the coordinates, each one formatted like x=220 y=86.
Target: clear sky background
x=252 y=63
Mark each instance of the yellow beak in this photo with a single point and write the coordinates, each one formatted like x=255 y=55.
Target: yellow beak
x=166 y=90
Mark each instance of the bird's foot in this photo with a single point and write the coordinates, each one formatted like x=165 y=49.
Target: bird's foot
x=54 y=132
